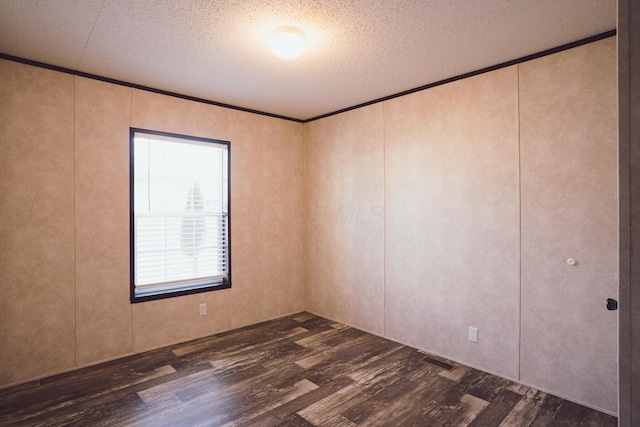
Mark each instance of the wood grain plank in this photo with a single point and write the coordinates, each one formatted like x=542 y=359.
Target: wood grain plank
x=305 y=400
x=497 y=410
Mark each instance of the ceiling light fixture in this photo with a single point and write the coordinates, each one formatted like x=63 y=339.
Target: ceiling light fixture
x=287 y=42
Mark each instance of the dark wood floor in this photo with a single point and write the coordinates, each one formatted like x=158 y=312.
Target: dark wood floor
x=301 y=370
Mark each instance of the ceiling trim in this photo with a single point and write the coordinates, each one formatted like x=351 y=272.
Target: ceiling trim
x=571 y=45
x=141 y=87
x=567 y=46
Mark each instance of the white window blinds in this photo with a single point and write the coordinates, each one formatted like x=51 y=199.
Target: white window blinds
x=180 y=223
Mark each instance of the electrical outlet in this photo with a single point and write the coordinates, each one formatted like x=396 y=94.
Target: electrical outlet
x=203 y=309
x=473 y=334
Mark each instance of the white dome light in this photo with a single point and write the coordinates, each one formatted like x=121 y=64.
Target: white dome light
x=287 y=42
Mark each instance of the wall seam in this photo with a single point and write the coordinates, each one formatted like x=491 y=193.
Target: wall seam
x=304 y=217
x=133 y=335
x=384 y=221
x=519 y=226
x=75 y=226
x=230 y=292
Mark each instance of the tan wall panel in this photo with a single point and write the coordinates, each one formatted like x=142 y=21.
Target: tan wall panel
x=452 y=220
x=104 y=322
x=41 y=322
x=266 y=218
x=172 y=320
x=344 y=215
x=37 y=283
x=569 y=210
x=169 y=114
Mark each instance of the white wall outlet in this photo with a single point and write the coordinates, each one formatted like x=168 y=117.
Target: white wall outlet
x=203 y=309
x=473 y=334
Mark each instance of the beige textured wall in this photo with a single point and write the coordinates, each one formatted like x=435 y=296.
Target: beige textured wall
x=266 y=218
x=64 y=217
x=102 y=117
x=451 y=246
x=569 y=210
x=452 y=230
x=344 y=217
x=37 y=280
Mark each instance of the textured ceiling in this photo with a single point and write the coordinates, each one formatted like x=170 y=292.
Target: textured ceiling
x=359 y=50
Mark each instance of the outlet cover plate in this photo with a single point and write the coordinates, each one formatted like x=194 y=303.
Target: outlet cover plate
x=473 y=334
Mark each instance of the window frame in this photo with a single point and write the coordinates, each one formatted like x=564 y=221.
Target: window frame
x=225 y=283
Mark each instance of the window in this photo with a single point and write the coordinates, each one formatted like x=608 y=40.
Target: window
x=179 y=215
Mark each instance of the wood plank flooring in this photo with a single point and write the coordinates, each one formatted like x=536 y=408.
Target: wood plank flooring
x=300 y=370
